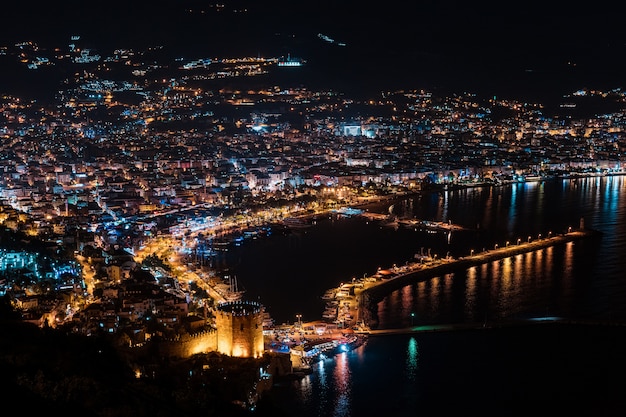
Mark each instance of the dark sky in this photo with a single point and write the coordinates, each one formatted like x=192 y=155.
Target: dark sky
x=539 y=24
x=531 y=46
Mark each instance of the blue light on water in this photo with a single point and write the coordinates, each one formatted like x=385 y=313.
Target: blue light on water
x=412 y=358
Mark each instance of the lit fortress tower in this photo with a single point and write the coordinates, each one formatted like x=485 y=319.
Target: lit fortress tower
x=240 y=329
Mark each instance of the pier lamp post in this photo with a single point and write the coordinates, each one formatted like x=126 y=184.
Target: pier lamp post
x=471 y=252
x=495 y=246
x=507 y=243
x=412 y=317
x=549 y=234
x=528 y=239
x=569 y=229
x=539 y=236
x=518 y=240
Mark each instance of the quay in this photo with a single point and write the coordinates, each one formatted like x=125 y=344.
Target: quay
x=306 y=342
x=354 y=299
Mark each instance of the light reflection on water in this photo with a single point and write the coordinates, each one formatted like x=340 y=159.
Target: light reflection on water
x=412 y=374
x=581 y=279
x=470 y=294
x=333 y=252
x=520 y=286
x=412 y=359
x=332 y=382
x=342 y=385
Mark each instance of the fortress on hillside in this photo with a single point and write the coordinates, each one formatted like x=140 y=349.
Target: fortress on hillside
x=240 y=329
x=238 y=332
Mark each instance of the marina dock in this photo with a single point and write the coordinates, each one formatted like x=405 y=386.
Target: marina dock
x=353 y=300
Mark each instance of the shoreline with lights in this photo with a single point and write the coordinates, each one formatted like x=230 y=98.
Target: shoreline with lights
x=354 y=300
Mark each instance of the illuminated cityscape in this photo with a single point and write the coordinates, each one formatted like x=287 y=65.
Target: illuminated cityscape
x=142 y=187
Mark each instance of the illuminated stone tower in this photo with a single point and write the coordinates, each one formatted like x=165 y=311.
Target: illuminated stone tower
x=240 y=329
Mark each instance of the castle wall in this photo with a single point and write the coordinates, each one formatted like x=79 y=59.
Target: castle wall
x=240 y=330
x=239 y=333
x=189 y=345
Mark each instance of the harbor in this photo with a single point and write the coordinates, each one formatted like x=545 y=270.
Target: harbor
x=348 y=306
x=346 y=321
x=309 y=342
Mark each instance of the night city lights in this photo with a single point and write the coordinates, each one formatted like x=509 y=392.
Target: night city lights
x=313 y=209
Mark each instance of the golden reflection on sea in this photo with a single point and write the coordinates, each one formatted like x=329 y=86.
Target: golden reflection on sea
x=470 y=292
x=343 y=385
x=515 y=287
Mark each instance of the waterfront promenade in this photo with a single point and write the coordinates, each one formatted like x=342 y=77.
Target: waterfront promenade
x=365 y=292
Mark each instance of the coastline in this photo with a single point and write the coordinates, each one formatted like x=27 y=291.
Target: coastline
x=377 y=204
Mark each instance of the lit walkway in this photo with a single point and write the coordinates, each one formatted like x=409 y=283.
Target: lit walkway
x=445 y=264
x=433 y=268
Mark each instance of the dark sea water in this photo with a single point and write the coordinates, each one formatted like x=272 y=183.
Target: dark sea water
x=521 y=370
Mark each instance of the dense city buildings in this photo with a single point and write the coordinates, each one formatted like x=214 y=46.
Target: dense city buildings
x=119 y=185
x=133 y=148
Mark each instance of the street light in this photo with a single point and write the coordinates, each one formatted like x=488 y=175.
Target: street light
x=518 y=240
x=412 y=317
x=299 y=317
x=471 y=252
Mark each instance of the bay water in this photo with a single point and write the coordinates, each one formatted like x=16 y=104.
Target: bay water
x=575 y=364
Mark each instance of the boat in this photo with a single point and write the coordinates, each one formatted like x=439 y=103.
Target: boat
x=297 y=222
x=330 y=313
x=329 y=295
x=431 y=225
x=361 y=327
x=311 y=352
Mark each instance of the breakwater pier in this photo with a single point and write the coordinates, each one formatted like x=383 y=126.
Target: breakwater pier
x=352 y=302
